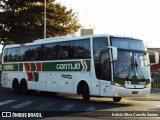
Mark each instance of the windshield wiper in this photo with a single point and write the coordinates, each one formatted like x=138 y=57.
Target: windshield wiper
x=136 y=68
x=140 y=71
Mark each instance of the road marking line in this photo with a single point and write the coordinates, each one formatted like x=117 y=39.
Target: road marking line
x=67 y=107
x=91 y=108
x=43 y=106
x=22 y=105
x=6 y=102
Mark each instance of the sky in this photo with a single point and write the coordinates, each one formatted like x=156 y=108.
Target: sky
x=132 y=18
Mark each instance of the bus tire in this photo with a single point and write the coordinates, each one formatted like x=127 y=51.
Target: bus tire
x=85 y=92
x=15 y=86
x=23 y=86
x=117 y=99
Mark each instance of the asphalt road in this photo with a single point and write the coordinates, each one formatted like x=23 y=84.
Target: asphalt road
x=66 y=106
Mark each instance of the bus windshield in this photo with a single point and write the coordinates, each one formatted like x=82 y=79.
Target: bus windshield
x=132 y=62
x=131 y=66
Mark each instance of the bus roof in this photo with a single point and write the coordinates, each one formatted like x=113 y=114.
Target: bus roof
x=62 y=38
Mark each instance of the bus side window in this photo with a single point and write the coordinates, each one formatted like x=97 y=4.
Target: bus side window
x=24 y=53
x=9 y=54
x=49 y=51
x=35 y=53
x=101 y=58
x=61 y=53
x=38 y=51
x=64 y=50
x=105 y=66
x=82 y=49
x=5 y=55
x=15 y=54
x=32 y=54
x=46 y=52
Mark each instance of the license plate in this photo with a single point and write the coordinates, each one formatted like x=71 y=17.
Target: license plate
x=134 y=92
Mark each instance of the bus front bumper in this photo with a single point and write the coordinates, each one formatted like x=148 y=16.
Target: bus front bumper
x=124 y=92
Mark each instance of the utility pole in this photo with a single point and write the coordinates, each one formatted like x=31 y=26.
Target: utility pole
x=44 y=19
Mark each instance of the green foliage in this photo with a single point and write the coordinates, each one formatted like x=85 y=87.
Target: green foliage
x=23 y=20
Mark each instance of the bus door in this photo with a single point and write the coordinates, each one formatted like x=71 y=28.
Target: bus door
x=102 y=66
x=105 y=82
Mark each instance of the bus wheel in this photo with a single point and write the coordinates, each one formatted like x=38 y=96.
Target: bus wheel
x=117 y=99
x=23 y=87
x=85 y=92
x=15 y=86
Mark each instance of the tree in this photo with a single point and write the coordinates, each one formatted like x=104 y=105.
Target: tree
x=23 y=20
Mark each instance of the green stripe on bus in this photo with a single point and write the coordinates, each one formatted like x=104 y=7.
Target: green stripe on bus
x=20 y=66
x=137 y=82
x=84 y=65
x=33 y=66
x=12 y=67
x=65 y=66
x=36 y=76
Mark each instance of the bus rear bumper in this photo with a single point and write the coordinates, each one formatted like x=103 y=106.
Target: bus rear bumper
x=124 y=92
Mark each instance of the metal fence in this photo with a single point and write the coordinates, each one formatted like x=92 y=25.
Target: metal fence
x=155 y=80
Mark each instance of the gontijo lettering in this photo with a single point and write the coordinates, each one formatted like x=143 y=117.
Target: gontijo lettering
x=69 y=66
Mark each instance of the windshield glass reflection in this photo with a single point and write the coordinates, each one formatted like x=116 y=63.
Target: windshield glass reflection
x=131 y=66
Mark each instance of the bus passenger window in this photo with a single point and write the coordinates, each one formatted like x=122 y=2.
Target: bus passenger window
x=15 y=54
x=9 y=54
x=38 y=53
x=64 y=50
x=50 y=51
x=82 y=49
x=35 y=53
x=5 y=55
x=24 y=53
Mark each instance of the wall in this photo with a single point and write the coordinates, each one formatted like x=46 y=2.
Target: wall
x=155 y=70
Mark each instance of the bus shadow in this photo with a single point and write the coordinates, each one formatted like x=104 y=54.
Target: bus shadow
x=106 y=103
x=96 y=107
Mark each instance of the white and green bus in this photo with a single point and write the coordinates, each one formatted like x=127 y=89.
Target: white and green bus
x=94 y=65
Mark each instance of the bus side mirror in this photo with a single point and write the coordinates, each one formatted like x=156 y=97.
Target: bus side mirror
x=156 y=57
x=113 y=53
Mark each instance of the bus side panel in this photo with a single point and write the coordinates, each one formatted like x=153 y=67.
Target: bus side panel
x=79 y=76
x=41 y=81
x=8 y=77
x=95 y=89
x=4 y=79
x=31 y=85
x=52 y=82
x=11 y=76
x=66 y=82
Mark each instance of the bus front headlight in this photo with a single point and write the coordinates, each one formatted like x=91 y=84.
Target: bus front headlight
x=118 y=84
x=147 y=85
